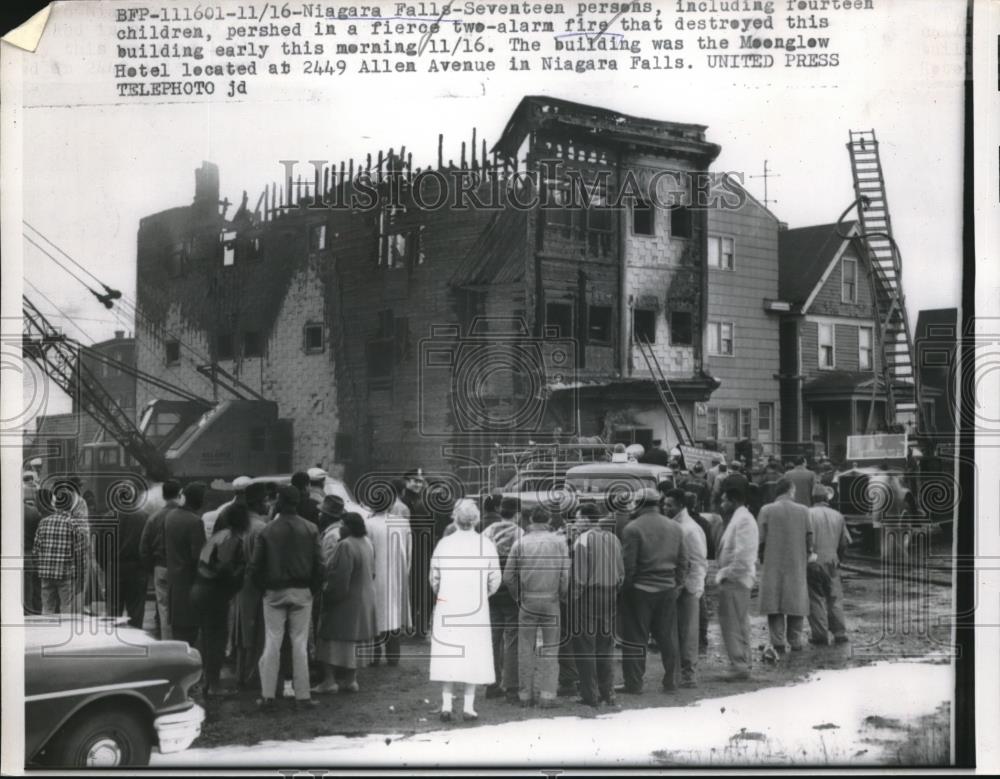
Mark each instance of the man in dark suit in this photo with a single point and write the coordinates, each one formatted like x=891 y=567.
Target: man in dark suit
x=184 y=536
x=803 y=480
x=131 y=575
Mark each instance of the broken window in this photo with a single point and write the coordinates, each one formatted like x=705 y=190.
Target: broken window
x=643 y=218
x=173 y=352
x=558 y=213
x=317 y=238
x=599 y=324
x=600 y=223
x=224 y=346
x=559 y=320
x=228 y=240
x=680 y=222
x=253 y=344
x=681 y=333
x=644 y=325
x=313 y=338
x=400 y=245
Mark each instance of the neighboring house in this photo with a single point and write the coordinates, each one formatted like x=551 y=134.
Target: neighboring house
x=742 y=331
x=831 y=380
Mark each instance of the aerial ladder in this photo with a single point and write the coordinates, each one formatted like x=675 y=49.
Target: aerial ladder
x=877 y=245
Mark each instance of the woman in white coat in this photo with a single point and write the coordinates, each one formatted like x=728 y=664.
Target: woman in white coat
x=464 y=573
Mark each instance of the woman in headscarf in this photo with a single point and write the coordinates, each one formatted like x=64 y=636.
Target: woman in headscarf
x=348 y=617
x=464 y=573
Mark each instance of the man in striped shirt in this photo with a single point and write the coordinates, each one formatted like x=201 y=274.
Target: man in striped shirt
x=598 y=573
x=61 y=549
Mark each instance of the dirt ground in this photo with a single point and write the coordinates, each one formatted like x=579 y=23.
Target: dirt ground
x=885 y=621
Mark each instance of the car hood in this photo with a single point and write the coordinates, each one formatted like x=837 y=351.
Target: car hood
x=111 y=636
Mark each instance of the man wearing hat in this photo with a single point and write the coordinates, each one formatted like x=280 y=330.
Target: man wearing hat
x=216 y=519
x=830 y=539
x=422 y=528
x=655 y=564
x=317 y=483
x=286 y=567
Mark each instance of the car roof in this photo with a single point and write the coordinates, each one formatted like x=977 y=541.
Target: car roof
x=615 y=469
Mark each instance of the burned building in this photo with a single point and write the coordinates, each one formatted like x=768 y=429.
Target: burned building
x=393 y=334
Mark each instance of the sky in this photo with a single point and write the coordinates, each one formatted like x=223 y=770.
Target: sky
x=93 y=167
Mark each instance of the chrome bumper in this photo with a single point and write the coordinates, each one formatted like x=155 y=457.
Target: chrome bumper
x=178 y=729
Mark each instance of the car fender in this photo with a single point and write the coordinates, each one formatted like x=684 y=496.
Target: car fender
x=42 y=708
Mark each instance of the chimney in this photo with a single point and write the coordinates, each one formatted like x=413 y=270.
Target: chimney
x=206 y=187
x=782 y=226
x=119 y=335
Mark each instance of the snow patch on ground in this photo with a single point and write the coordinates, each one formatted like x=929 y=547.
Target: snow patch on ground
x=836 y=717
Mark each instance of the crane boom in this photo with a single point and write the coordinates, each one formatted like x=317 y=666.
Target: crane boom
x=59 y=358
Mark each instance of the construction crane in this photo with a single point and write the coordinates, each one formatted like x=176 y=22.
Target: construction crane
x=188 y=438
x=875 y=243
x=59 y=358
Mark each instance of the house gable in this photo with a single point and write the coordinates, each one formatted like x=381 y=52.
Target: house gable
x=827 y=297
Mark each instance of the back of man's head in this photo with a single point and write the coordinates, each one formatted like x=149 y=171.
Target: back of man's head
x=735 y=495
x=540 y=516
x=508 y=508
x=171 y=489
x=784 y=486
x=194 y=495
x=288 y=499
x=300 y=480
x=801 y=460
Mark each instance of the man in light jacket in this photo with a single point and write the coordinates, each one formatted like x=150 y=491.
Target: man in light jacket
x=737 y=560
x=537 y=576
x=692 y=585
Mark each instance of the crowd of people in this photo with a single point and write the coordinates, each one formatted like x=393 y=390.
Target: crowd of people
x=283 y=581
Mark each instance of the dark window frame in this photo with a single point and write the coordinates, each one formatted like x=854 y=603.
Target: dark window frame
x=567 y=308
x=681 y=222
x=642 y=211
x=172 y=359
x=647 y=326
x=677 y=330
x=228 y=353
x=598 y=339
x=253 y=344
x=312 y=327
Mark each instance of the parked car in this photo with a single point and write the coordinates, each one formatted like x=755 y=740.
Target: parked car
x=99 y=693
x=613 y=486
x=540 y=483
